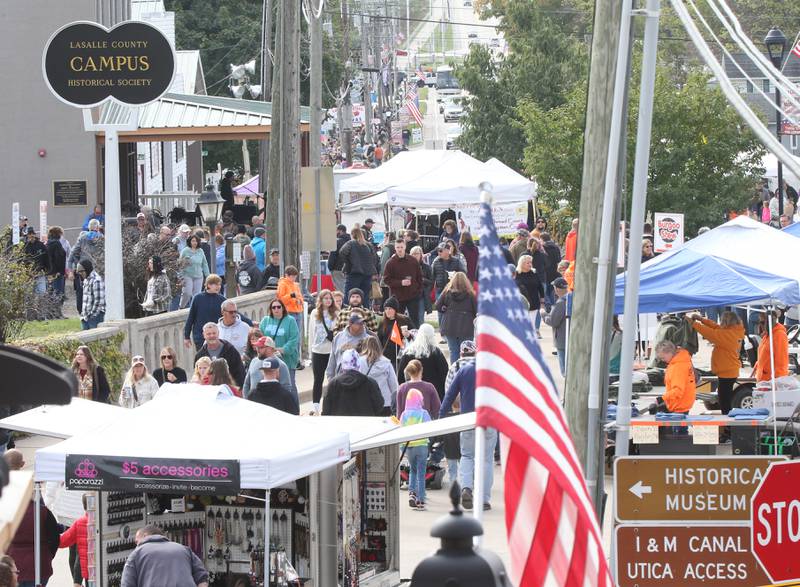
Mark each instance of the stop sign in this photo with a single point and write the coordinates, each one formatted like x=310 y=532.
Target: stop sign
x=775 y=522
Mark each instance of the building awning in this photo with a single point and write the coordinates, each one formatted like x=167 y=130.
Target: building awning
x=191 y=117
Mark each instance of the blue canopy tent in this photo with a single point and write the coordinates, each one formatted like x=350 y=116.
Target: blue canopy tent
x=793 y=229
x=740 y=262
x=688 y=280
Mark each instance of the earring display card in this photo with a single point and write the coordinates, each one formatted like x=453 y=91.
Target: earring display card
x=376 y=497
x=376 y=460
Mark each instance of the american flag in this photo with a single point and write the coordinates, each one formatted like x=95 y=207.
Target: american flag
x=796 y=50
x=414 y=111
x=552 y=532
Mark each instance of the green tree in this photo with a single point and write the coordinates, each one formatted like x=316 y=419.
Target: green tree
x=703 y=159
x=545 y=61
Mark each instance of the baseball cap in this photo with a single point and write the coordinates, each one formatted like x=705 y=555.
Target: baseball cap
x=560 y=283
x=274 y=252
x=141 y=215
x=356 y=318
x=30 y=230
x=137 y=360
x=270 y=363
x=369 y=221
x=523 y=232
x=467 y=347
x=263 y=342
x=184 y=228
x=341 y=227
x=522 y=225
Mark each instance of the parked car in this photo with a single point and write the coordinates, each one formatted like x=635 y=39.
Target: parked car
x=472 y=35
x=495 y=42
x=453 y=110
x=430 y=78
x=452 y=134
x=467 y=2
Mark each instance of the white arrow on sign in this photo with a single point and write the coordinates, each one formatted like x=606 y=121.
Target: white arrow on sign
x=639 y=490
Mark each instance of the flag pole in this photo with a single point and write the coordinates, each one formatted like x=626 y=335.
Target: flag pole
x=480 y=431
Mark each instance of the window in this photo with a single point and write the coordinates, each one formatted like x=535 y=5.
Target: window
x=749 y=87
x=793 y=142
x=179 y=150
x=765 y=86
x=181 y=183
x=155 y=159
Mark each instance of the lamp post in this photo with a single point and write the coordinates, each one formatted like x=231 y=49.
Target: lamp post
x=210 y=205
x=458 y=563
x=776 y=47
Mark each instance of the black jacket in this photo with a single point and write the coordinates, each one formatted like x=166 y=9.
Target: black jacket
x=351 y=393
x=359 y=259
x=275 y=395
x=385 y=332
x=231 y=355
x=553 y=259
x=271 y=271
x=248 y=276
x=531 y=287
x=458 y=311
x=36 y=255
x=434 y=370
x=160 y=376
x=440 y=268
x=57 y=257
x=335 y=261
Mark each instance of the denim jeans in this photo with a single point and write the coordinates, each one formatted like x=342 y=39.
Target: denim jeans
x=93 y=321
x=298 y=317
x=487 y=460
x=454 y=344
x=294 y=384
x=452 y=470
x=562 y=361
x=549 y=294
x=789 y=322
x=362 y=282
x=417 y=467
x=57 y=287
x=40 y=284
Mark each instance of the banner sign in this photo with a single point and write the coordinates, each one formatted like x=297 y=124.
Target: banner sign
x=85 y=64
x=668 y=231
x=506 y=217
x=152 y=475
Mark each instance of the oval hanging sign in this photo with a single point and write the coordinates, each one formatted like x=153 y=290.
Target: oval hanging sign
x=86 y=64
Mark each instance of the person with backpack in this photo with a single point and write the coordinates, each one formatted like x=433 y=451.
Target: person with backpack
x=360 y=263
x=335 y=261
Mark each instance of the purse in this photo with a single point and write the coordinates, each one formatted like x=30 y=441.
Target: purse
x=328 y=331
x=375 y=291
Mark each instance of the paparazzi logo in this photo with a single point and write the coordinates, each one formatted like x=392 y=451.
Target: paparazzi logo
x=86 y=470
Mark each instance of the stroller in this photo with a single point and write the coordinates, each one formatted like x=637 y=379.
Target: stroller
x=434 y=472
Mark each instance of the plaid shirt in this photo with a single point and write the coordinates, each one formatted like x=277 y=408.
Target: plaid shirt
x=343 y=319
x=94 y=296
x=160 y=292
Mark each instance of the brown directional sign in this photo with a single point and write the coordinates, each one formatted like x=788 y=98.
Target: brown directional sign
x=686 y=489
x=712 y=556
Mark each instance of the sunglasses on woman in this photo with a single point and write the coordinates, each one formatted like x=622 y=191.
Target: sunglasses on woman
x=277 y=307
x=166 y=357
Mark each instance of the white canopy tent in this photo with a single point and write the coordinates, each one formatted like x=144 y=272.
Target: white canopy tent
x=272 y=447
x=62 y=421
x=403 y=167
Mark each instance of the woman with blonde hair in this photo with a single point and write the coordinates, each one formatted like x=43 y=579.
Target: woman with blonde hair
x=202 y=370
x=374 y=365
x=321 y=324
x=458 y=307
x=139 y=387
x=531 y=284
x=169 y=372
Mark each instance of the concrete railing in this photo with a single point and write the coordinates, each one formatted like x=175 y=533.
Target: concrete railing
x=147 y=336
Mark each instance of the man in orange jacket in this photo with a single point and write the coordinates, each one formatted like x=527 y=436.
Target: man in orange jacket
x=762 y=370
x=291 y=295
x=678 y=378
x=571 y=242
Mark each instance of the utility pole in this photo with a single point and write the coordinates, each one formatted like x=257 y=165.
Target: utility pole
x=290 y=135
x=315 y=28
x=599 y=113
x=274 y=176
x=365 y=64
x=345 y=104
x=266 y=92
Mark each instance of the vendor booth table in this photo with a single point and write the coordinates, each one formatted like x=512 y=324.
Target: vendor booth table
x=254 y=492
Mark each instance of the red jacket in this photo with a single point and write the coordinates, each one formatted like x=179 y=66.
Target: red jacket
x=76 y=534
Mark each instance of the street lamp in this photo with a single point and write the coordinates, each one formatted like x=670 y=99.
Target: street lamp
x=458 y=563
x=210 y=205
x=776 y=47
